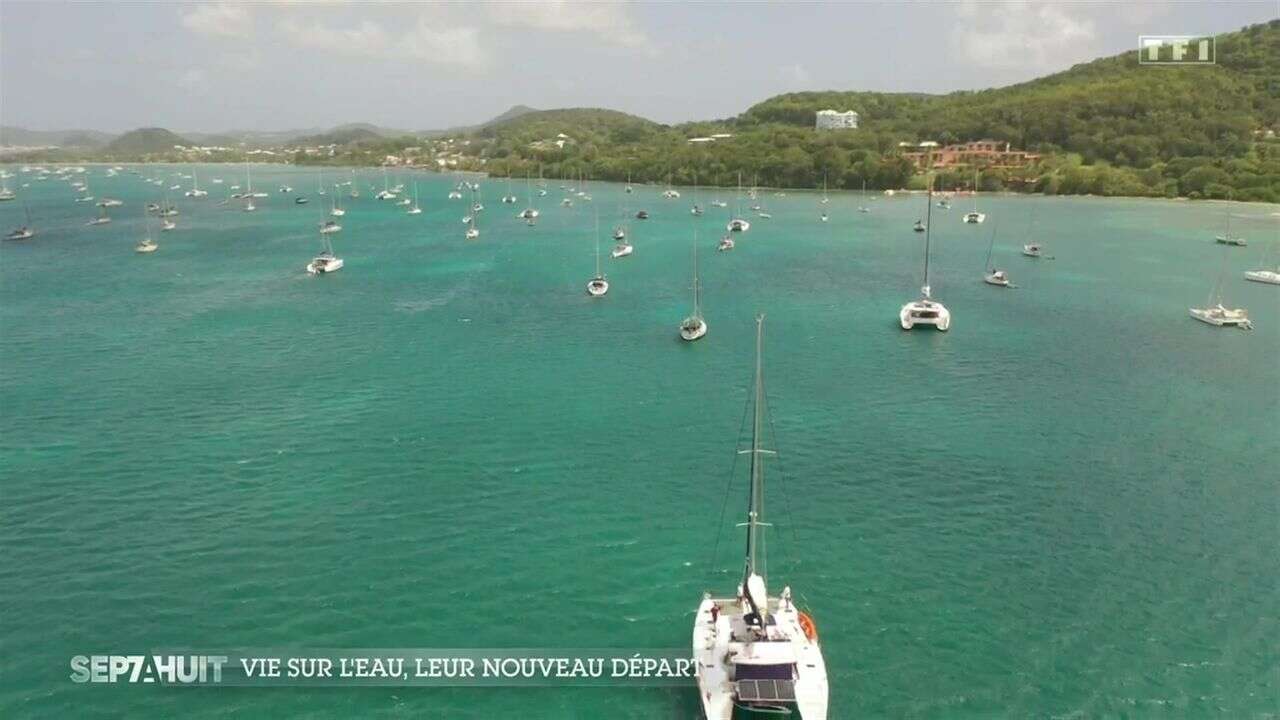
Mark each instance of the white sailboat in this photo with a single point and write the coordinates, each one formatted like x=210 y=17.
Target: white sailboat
x=320 y=182
x=385 y=193
x=926 y=310
x=326 y=262
x=975 y=217
x=355 y=191
x=598 y=285
x=864 y=208
x=753 y=651
x=670 y=193
x=1033 y=249
x=1215 y=313
x=991 y=275
x=148 y=244
x=1226 y=238
x=530 y=213
x=25 y=232
x=102 y=218
x=5 y=192
x=473 y=232
x=737 y=223
x=1266 y=274
x=248 y=194
x=694 y=327
x=415 y=210
x=715 y=199
x=195 y=191
x=336 y=210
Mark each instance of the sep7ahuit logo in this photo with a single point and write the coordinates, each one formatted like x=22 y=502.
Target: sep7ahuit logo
x=1176 y=50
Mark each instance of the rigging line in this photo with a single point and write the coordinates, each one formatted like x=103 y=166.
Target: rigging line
x=782 y=479
x=724 y=506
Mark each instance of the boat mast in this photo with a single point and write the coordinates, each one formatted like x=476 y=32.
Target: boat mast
x=991 y=248
x=928 y=230
x=697 y=291
x=755 y=507
x=597 y=243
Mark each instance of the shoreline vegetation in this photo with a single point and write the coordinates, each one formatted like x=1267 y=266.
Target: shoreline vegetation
x=1111 y=127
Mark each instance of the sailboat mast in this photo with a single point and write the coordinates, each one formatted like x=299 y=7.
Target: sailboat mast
x=755 y=507
x=697 y=291
x=991 y=248
x=597 y=242
x=928 y=230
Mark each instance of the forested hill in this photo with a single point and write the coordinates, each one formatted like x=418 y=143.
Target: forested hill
x=1109 y=127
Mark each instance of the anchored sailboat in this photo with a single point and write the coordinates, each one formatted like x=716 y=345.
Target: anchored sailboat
x=975 y=217
x=1226 y=238
x=326 y=262
x=926 y=310
x=1266 y=274
x=991 y=275
x=597 y=286
x=25 y=232
x=737 y=223
x=753 y=651
x=694 y=327
x=148 y=244
x=415 y=210
x=1218 y=314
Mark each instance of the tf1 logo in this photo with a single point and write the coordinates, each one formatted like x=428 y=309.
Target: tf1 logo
x=1176 y=50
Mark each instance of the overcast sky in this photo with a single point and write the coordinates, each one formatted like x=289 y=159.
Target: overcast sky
x=289 y=64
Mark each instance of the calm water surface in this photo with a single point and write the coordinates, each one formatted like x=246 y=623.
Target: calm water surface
x=1065 y=507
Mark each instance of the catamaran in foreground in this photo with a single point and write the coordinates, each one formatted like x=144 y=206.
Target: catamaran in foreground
x=754 y=651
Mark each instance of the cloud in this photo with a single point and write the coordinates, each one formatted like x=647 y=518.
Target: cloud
x=191 y=80
x=796 y=74
x=219 y=18
x=610 y=21
x=422 y=41
x=1022 y=35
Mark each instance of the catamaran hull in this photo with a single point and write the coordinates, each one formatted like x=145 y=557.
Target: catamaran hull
x=1221 y=317
x=712 y=644
x=316 y=268
x=915 y=313
x=1271 y=277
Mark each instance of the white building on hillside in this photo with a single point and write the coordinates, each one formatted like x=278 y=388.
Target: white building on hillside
x=832 y=120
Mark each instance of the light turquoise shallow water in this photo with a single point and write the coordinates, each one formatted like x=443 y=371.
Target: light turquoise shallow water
x=1065 y=507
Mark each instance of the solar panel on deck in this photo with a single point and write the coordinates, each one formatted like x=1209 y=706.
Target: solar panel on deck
x=766 y=691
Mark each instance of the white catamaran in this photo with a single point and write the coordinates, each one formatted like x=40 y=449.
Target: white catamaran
x=1218 y=314
x=926 y=310
x=754 y=651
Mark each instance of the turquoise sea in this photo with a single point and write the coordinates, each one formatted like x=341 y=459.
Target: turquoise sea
x=1065 y=507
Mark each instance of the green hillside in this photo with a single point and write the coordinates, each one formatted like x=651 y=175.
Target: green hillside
x=1108 y=127
x=144 y=141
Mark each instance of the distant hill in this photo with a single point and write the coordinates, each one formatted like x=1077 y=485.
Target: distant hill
x=581 y=124
x=1108 y=127
x=144 y=141
x=512 y=113
x=344 y=136
x=62 y=138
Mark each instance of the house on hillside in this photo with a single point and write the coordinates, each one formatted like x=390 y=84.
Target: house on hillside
x=980 y=153
x=832 y=120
